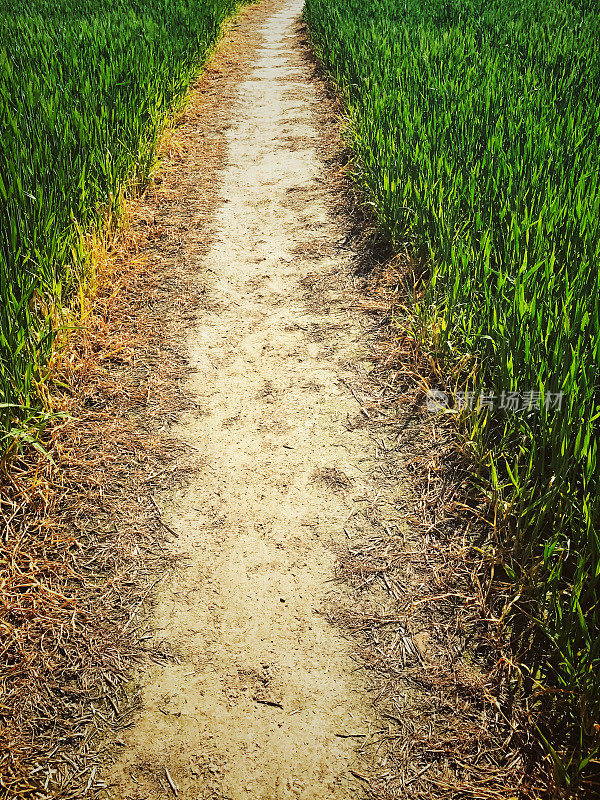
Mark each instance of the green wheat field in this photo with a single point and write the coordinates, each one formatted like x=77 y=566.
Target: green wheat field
x=85 y=90
x=476 y=131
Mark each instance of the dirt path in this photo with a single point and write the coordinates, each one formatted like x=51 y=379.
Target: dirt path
x=258 y=694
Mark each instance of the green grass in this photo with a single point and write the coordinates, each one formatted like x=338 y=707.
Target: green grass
x=476 y=131
x=85 y=90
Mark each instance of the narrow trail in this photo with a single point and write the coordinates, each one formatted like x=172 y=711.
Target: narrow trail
x=258 y=696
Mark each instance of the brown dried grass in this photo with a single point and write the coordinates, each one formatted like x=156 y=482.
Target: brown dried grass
x=428 y=627
x=82 y=542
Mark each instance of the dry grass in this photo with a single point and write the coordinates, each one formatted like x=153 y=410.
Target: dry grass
x=455 y=723
x=82 y=542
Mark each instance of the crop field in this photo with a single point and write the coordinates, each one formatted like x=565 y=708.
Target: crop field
x=85 y=89
x=475 y=126
x=475 y=132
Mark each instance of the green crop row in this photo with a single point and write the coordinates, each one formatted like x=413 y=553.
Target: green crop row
x=85 y=89
x=476 y=131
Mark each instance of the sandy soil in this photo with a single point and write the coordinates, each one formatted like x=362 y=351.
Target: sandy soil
x=257 y=695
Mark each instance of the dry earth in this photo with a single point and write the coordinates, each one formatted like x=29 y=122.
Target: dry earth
x=258 y=696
